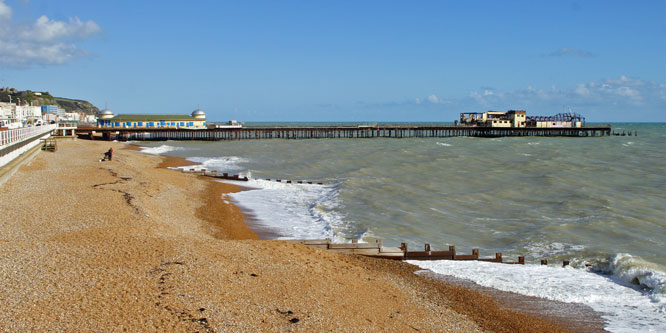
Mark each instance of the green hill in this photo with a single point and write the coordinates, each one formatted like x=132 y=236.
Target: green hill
x=44 y=98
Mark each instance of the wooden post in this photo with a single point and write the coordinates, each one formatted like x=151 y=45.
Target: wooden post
x=475 y=252
x=452 y=248
x=354 y=241
x=544 y=262
x=498 y=256
x=521 y=260
x=565 y=263
x=403 y=247
x=427 y=247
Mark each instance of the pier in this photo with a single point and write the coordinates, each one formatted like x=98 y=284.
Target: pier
x=334 y=132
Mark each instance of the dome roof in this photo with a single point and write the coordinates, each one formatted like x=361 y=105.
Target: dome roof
x=198 y=112
x=106 y=112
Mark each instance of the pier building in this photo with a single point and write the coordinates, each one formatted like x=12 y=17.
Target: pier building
x=519 y=119
x=197 y=120
x=511 y=118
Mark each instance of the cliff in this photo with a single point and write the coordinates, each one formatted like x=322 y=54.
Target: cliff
x=45 y=98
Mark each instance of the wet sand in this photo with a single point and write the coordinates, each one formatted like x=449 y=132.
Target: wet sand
x=129 y=245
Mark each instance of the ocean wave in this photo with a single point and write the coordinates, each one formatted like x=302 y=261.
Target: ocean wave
x=159 y=150
x=224 y=163
x=539 y=250
x=634 y=272
x=444 y=144
x=294 y=211
x=623 y=307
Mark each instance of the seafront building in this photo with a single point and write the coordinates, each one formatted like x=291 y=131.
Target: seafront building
x=519 y=119
x=197 y=120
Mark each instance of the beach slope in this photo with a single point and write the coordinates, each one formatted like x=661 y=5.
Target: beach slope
x=126 y=245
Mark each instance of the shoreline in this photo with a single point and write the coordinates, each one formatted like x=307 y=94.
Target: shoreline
x=585 y=319
x=217 y=205
x=101 y=245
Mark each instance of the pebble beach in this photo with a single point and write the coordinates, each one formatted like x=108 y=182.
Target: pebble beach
x=129 y=245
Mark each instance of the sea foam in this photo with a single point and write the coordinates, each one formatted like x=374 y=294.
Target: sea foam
x=294 y=211
x=625 y=308
x=159 y=150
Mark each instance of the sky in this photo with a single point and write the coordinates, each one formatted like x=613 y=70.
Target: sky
x=342 y=60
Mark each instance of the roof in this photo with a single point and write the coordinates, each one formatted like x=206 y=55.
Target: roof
x=152 y=117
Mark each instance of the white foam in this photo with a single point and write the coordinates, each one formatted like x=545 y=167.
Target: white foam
x=295 y=211
x=444 y=144
x=225 y=163
x=624 y=308
x=159 y=150
x=550 y=249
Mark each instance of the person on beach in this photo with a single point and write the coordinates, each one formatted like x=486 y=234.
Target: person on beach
x=108 y=155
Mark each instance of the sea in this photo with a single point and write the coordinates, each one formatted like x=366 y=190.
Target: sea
x=598 y=202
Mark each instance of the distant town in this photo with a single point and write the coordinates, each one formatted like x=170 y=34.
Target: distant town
x=20 y=109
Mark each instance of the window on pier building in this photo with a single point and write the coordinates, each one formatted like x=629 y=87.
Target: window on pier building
x=151 y=124
x=128 y=123
x=182 y=123
x=117 y=123
x=139 y=123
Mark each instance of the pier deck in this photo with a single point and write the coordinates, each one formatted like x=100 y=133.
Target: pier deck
x=331 y=132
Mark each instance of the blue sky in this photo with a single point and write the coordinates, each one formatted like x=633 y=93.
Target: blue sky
x=342 y=60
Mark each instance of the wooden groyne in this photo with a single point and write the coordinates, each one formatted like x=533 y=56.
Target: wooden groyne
x=331 y=132
x=377 y=250
x=227 y=176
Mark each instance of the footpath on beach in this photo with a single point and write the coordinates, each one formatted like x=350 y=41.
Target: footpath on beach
x=127 y=245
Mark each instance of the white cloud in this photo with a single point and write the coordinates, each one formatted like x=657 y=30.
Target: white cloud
x=431 y=99
x=622 y=91
x=43 y=42
x=5 y=12
x=47 y=30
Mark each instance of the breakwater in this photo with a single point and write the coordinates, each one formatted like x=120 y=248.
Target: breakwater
x=334 y=132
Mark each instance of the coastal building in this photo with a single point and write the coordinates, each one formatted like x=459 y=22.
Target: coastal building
x=519 y=119
x=197 y=120
x=49 y=109
x=559 y=120
x=511 y=118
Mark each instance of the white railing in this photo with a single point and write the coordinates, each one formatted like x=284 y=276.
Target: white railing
x=14 y=135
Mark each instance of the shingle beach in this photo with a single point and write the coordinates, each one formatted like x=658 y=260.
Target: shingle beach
x=128 y=245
